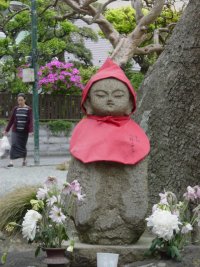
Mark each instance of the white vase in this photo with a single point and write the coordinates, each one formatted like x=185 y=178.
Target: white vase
x=107 y=259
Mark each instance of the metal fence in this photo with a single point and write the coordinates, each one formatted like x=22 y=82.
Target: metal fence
x=51 y=107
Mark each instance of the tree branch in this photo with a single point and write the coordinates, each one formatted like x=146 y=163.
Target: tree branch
x=76 y=7
x=52 y=5
x=107 y=28
x=12 y=16
x=127 y=49
x=101 y=9
x=149 y=49
x=148 y=3
x=137 y=5
x=87 y=3
x=66 y=16
x=153 y=14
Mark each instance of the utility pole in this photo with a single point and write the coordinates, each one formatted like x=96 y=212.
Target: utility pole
x=35 y=83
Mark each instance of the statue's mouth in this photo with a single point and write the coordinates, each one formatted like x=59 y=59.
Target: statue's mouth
x=110 y=104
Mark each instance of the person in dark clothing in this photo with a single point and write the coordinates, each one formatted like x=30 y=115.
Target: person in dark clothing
x=21 y=121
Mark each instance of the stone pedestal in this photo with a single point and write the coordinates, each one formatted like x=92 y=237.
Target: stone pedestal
x=85 y=255
x=116 y=202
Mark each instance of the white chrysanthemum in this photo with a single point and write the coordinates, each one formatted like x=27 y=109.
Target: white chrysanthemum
x=56 y=215
x=186 y=228
x=42 y=193
x=163 y=223
x=30 y=223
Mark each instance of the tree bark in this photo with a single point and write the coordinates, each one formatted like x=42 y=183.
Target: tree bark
x=169 y=109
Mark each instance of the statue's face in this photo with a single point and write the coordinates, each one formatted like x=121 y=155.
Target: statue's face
x=109 y=97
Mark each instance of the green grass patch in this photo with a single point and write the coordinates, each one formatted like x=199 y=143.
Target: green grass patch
x=14 y=205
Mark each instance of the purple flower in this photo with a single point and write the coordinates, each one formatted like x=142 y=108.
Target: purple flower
x=73 y=188
x=50 y=181
x=190 y=194
x=75 y=71
x=68 y=65
x=73 y=79
x=64 y=73
x=61 y=77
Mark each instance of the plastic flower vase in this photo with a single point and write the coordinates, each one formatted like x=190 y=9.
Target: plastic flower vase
x=107 y=259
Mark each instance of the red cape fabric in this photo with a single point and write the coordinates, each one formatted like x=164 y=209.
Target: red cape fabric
x=109 y=138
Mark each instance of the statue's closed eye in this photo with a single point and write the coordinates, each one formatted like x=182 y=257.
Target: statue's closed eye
x=100 y=93
x=118 y=93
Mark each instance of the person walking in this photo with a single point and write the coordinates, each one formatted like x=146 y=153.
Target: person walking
x=21 y=121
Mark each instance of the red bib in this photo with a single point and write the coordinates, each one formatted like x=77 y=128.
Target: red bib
x=117 y=139
x=109 y=138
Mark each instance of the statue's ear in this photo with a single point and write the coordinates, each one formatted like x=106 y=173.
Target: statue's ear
x=87 y=106
x=129 y=106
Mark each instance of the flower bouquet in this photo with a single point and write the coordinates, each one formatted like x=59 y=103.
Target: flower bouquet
x=60 y=77
x=172 y=222
x=47 y=222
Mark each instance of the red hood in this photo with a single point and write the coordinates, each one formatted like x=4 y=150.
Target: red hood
x=109 y=70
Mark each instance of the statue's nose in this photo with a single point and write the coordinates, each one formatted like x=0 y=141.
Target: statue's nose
x=110 y=99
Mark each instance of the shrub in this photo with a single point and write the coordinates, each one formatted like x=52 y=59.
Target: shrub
x=60 y=77
x=58 y=126
x=2 y=123
x=137 y=79
x=86 y=73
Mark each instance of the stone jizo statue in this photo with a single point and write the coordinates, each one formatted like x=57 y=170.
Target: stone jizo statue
x=108 y=149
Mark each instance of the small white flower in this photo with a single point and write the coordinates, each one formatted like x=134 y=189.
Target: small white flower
x=53 y=200
x=80 y=197
x=70 y=248
x=176 y=212
x=42 y=193
x=29 y=225
x=56 y=215
x=163 y=198
x=186 y=228
x=163 y=223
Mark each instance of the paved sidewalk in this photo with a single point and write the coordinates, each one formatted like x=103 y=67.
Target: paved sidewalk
x=17 y=176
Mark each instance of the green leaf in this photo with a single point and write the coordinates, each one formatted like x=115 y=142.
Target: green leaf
x=155 y=243
x=37 y=251
x=4 y=257
x=174 y=253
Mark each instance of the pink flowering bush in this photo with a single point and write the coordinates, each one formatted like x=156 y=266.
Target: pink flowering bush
x=60 y=77
x=172 y=222
x=47 y=222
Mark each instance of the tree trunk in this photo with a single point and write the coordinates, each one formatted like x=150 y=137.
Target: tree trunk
x=169 y=109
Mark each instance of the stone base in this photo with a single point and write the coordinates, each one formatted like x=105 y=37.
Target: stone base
x=85 y=254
